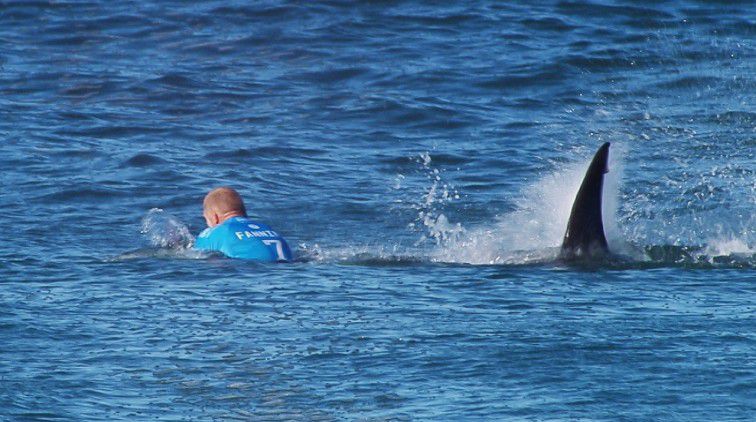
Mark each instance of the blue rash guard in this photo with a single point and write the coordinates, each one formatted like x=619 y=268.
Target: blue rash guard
x=240 y=237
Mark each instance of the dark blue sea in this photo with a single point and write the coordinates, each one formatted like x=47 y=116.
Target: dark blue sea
x=421 y=158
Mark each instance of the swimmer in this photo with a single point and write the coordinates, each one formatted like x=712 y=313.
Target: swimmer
x=231 y=232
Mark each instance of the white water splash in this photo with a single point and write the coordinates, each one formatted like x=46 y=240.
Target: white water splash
x=169 y=238
x=728 y=246
x=534 y=231
x=163 y=230
x=741 y=244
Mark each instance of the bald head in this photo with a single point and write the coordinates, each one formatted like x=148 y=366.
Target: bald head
x=221 y=204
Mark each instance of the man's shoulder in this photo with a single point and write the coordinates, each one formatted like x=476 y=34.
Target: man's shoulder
x=215 y=238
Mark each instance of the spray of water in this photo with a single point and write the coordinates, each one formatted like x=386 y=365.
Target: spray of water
x=163 y=230
x=168 y=237
x=430 y=217
x=533 y=232
x=530 y=233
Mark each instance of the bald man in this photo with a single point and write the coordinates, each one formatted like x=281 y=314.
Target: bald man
x=231 y=232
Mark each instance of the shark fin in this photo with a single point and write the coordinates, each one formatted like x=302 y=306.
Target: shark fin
x=585 y=236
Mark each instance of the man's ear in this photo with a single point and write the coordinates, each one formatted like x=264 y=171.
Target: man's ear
x=216 y=219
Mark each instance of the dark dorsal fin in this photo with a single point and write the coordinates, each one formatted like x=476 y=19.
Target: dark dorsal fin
x=585 y=229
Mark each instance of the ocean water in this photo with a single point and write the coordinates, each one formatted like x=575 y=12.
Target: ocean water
x=421 y=158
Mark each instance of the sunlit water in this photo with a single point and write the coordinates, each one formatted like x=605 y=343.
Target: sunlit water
x=421 y=159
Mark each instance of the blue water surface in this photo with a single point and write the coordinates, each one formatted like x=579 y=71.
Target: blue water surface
x=421 y=158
